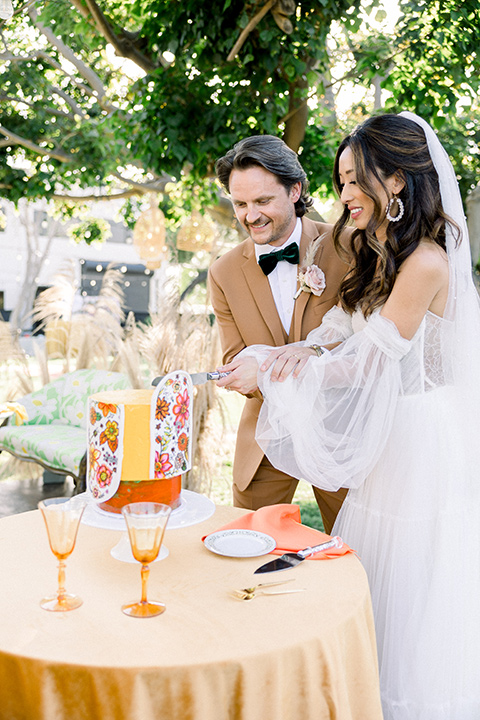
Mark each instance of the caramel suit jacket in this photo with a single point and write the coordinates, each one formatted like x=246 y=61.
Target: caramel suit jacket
x=246 y=315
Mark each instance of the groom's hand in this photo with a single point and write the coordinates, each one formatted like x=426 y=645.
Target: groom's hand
x=243 y=375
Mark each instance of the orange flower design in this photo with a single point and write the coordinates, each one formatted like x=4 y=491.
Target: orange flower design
x=110 y=435
x=93 y=416
x=93 y=456
x=183 y=442
x=162 y=464
x=107 y=408
x=161 y=411
x=181 y=409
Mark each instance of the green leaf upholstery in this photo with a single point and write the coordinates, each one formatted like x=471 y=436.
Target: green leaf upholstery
x=58 y=447
x=55 y=434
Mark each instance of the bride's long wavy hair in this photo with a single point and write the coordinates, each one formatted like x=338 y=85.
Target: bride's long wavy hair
x=383 y=146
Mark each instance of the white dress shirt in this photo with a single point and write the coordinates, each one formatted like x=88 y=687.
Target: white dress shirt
x=283 y=280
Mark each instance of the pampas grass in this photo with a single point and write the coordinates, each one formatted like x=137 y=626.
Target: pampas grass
x=97 y=331
x=87 y=338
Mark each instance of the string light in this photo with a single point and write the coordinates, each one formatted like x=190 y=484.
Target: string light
x=6 y=9
x=149 y=237
x=196 y=233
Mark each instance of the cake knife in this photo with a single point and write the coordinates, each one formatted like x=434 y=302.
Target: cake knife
x=290 y=559
x=198 y=378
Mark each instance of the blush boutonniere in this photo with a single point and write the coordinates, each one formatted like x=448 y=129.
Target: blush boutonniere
x=310 y=276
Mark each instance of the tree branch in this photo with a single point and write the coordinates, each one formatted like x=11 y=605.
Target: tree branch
x=248 y=29
x=29 y=145
x=70 y=101
x=124 y=43
x=87 y=198
x=8 y=57
x=155 y=186
x=84 y=70
x=136 y=189
x=47 y=110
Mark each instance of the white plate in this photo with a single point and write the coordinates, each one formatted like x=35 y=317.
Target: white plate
x=240 y=543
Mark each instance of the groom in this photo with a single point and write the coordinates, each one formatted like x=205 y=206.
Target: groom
x=257 y=299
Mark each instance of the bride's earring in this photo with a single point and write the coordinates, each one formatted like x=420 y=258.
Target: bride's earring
x=401 y=209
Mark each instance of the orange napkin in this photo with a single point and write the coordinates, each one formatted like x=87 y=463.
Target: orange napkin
x=283 y=523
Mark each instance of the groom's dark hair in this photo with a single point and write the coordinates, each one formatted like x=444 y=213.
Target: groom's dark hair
x=272 y=154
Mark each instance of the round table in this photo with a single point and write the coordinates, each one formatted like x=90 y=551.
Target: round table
x=308 y=655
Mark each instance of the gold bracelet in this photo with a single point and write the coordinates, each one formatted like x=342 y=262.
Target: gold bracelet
x=318 y=349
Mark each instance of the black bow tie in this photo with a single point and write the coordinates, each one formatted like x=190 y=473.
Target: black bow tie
x=269 y=261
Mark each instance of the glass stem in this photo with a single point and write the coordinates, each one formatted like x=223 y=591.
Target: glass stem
x=61 y=592
x=145 y=573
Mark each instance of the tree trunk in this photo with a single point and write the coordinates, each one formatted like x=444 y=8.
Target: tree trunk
x=297 y=114
x=21 y=317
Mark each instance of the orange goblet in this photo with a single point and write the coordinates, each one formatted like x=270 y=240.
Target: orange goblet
x=62 y=518
x=146 y=523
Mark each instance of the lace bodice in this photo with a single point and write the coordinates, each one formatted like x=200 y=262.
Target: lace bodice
x=427 y=353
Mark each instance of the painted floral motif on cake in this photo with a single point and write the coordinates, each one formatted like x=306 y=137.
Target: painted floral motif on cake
x=171 y=417
x=105 y=449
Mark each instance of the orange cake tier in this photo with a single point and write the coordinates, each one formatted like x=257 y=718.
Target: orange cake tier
x=135 y=438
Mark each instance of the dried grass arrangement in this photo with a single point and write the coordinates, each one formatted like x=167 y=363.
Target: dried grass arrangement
x=15 y=371
x=89 y=337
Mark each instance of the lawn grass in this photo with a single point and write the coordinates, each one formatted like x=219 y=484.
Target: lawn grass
x=310 y=514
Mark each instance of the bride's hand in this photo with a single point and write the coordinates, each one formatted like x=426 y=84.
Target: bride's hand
x=287 y=360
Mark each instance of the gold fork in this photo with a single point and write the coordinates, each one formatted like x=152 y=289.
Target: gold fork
x=242 y=595
x=276 y=582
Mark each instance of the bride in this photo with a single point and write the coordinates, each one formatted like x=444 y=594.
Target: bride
x=384 y=398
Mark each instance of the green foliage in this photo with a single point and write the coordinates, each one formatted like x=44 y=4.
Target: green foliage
x=73 y=117
x=91 y=230
x=85 y=121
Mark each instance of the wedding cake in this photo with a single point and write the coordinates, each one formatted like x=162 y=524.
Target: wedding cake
x=139 y=443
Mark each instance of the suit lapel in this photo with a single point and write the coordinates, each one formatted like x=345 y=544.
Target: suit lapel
x=309 y=233
x=262 y=294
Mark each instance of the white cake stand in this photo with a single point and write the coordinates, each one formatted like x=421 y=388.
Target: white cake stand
x=193 y=509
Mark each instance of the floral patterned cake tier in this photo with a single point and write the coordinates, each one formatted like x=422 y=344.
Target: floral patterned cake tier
x=139 y=443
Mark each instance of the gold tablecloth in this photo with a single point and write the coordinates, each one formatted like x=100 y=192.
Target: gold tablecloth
x=308 y=655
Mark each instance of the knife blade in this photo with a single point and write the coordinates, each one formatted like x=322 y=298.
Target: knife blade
x=197 y=378
x=290 y=560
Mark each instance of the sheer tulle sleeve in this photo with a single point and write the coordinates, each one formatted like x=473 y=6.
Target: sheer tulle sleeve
x=330 y=425
x=336 y=327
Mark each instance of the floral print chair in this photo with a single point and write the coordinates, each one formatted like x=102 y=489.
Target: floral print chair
x=55 y=434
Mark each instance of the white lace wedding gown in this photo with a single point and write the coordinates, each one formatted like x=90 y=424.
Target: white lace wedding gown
x=398 y=422
x=385 y=408
x=415 y=524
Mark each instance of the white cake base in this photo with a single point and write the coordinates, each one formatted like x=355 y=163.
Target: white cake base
x=193 y=509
